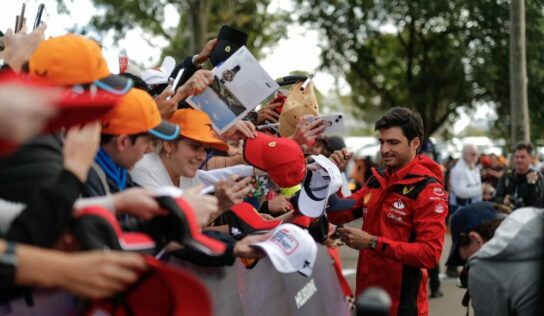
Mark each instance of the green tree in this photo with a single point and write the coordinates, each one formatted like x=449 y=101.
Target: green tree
x=200 y=20
x=432 y=56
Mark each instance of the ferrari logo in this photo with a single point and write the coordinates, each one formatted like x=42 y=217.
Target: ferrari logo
x=227 y=49
x=367 y=197
x=407 y=189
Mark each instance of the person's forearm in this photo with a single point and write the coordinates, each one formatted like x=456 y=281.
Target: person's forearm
x=106 y=201
x=223 y=162
x=39 y=267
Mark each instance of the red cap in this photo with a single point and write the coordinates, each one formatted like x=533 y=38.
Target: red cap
x=134 y=241
x=163 y=290
x=182 y=226
x=281 y=158
x=73 y=107
x=194 y=238
x=243 y=220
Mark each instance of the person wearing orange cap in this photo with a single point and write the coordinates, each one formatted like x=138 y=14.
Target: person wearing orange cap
x=178 y=161
x=127 y=134
x=69 y=61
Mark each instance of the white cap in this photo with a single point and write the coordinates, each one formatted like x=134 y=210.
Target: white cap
x=291 y=249
x=322 y=180
x=160 y=75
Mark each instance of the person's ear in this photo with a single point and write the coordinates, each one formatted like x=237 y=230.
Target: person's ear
x=122 y=142
x=475 y=237
x=168 y=148
x=416 y=142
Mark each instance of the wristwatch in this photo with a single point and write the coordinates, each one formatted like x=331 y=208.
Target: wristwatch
x=373 y=242
x=8 y=265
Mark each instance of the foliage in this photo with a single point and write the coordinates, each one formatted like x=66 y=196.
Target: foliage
x=200 y=20
x=432 y=56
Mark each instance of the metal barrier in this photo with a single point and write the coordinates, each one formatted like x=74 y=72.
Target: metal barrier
x=234 y=290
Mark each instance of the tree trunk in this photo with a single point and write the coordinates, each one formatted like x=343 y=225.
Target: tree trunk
x=519 y=109
x=199 y=19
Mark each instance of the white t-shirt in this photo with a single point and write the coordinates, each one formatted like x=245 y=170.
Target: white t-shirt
x=151 y=174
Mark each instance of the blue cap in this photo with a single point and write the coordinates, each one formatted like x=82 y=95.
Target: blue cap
x=465 y=219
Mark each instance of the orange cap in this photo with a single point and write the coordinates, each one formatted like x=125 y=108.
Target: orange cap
x=196 y=125
x=72 y=59
x=137 y=113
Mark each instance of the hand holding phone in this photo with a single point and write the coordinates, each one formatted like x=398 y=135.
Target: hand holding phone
x=334 y=123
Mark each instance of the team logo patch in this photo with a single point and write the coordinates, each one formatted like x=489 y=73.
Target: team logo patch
x=398 y=204
x=439 y=209
x=367 y=197
x=407 y=189
x=438 y=191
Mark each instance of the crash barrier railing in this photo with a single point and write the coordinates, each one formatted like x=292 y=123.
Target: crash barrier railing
x=234 y=290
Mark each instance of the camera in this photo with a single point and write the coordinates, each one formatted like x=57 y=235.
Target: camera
x=516 y=202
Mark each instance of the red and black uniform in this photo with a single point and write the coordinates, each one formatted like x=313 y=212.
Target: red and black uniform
x=406 y=211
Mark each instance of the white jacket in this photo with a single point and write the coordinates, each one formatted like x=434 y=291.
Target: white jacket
x=466 y=182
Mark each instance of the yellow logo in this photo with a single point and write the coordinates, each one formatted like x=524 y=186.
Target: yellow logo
x=367 y=198
x=272 y=144
x=407 y=189
x=227 y=49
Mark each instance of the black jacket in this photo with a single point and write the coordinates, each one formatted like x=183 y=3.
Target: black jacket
x=521 y=192
x=34 y=166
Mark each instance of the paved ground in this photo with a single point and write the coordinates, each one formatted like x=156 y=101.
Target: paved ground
x=448 y=305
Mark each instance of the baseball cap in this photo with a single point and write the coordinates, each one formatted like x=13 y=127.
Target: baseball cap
x=291 y=249
x=229 y=40
x=71 y=107
x=182 y=226
x=70 y=59
x=96 y=227
x=162 y=290
x=161 y=74
x=465 y=219
x=318 y=185
x=281 y=158
x=137 y=113
x=243 y=220
x=196 y=125
x=333 y=142
x=297 y=104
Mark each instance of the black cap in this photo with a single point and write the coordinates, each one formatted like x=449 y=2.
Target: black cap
x=229 y=40
x=334 y=143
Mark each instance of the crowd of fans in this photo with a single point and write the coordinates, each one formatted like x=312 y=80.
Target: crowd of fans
x=78 y=141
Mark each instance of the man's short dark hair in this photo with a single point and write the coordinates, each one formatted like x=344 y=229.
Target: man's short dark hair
x=106 y=138
x=409 y=121
x=524 y=146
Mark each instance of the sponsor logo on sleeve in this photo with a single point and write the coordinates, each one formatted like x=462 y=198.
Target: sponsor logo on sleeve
x=439 y=209
x=438 y=191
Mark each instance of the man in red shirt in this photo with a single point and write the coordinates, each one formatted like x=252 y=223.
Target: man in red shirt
x=404 y=208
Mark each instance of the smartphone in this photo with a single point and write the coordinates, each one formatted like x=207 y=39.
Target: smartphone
x=38 y=19
x=20 y=20
x=334 y=122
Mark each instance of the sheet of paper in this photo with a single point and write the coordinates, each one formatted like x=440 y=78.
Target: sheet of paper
x=240 y=84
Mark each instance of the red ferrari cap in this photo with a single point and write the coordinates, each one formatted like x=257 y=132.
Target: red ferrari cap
x=281 y=158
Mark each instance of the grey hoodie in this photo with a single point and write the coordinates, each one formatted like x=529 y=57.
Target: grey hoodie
x=503 y=276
